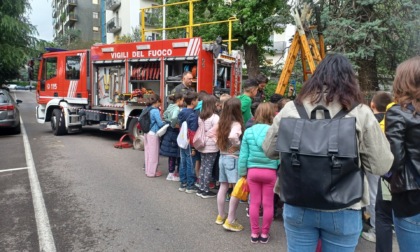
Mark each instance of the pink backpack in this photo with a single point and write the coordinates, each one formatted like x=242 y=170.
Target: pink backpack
x=199 y=141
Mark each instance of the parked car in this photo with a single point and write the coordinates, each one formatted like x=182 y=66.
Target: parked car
x=19 y=88
x=4 y=86
x=9 y=112
x=12 y=86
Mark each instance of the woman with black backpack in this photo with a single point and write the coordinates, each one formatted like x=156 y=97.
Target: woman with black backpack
x=321 y=173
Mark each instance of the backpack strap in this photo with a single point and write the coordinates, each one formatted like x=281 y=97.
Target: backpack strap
x=343 y=112
x=301 y=110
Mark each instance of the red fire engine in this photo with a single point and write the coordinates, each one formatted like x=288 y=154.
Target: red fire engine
x=103 y=85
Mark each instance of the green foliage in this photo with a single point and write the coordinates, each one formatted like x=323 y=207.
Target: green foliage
x=17 y=37
x=375 y=34
x=257 y=20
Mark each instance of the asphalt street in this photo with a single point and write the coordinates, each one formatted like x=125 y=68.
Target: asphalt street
x=97 y=198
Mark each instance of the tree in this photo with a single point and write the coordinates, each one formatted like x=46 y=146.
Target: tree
x=17 y=37
x=375 y=34
x=133 y=37
x=257 y=20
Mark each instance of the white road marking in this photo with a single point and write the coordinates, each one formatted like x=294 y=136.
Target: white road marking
x=15 y=169
x=46 y=239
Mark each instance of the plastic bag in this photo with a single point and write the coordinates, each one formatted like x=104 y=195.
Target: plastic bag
x=241 y=189
x=182 y=138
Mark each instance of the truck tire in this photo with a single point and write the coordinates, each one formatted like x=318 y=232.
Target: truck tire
x=132 y=128
x=58 y=125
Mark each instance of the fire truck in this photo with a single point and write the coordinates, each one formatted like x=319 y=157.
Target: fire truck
x=106 y=84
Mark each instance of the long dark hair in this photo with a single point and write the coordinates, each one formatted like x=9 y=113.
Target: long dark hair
x=407 y=83
x=335 y=79
x=231 y=112
x=209 y=107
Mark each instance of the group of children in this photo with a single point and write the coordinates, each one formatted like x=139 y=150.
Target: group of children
x=233 y=139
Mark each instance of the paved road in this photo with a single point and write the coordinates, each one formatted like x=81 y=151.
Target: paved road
x=97 y=198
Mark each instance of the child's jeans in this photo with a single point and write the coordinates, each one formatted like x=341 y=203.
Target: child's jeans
x=186 y=168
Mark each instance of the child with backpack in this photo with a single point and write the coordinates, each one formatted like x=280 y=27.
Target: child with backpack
x=207 y=121
x=229 y=132
x=151 y=140
x=169 y=147
x=186 y=167
x=260 y=172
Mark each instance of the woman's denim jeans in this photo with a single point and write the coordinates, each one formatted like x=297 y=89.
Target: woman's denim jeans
x=339 y=230
x=408 y=232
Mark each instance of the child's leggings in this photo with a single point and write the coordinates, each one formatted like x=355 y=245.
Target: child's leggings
x=173 y=162
x=261 y=183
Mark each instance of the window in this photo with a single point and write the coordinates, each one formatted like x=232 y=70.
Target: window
x=95 y=15
x=49 y=70
x=73 y=67
x=95 y=28
x=95 y=1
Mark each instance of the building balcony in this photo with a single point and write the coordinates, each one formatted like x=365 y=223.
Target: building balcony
x=71 y=4
x=54 y=13
x=112 y=5
x=71 y=19
x=113 y=25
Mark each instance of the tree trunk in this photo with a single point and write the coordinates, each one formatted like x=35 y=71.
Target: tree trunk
x=368 y=74
x=251 y=60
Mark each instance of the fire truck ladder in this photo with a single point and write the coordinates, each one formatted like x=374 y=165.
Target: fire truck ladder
x=309 y=52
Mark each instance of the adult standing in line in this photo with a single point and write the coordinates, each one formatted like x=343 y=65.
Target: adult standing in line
x=402 y=128
x=185 y=86
x=334 y=86
x=260 y=96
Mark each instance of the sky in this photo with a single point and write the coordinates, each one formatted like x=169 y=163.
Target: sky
x=41 y=17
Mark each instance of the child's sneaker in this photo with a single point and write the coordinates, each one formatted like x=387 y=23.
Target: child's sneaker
x=209 y=194
x=220 y=220
x=191 y=189
x=255 y=238
x=264 y=239
x=170 y=177
x=227 y=199
x=234 y=226
x=199 y=193
x=176 y=177
x=182 y=188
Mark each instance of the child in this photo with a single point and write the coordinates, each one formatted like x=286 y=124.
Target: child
x=382 y=207
x=208 y=119
x=169 y=147
x=250 y=90
x=186 y=168
x=229 y=131
x=151 y=140
x=260 y=172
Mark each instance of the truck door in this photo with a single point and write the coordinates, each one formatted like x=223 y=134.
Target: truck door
x=48 y=80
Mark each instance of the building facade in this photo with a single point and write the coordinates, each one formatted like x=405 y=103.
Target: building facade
x=81 y=15
x=123 y=18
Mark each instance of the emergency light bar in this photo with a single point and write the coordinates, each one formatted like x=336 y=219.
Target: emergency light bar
x=143 y=47
x=179 y=44
x=107 y=49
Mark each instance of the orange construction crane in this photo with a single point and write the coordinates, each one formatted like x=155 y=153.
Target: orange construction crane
x=310 y=54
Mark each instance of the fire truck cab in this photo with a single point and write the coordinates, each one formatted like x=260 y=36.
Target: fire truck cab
x=102 y=85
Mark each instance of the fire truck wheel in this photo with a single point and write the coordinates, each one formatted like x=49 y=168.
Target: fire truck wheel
x=133 y=129
x=57 y=123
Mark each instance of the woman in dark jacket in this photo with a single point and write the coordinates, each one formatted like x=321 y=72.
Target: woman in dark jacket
x=402 y=128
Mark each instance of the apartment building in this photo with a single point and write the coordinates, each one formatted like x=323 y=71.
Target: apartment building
x=83 y=15
x=123 y=16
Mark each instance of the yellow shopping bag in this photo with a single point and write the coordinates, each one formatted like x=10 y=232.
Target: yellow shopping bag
x=241 y=189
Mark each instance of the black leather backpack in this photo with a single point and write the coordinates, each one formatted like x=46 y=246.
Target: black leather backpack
x=319 y=160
